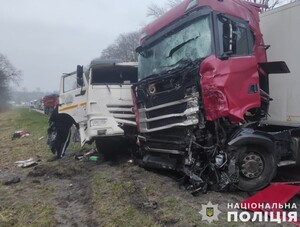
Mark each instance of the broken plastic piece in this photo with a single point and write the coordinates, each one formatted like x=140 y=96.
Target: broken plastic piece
x=28 y=163
x=94 y=158
x=19 y=134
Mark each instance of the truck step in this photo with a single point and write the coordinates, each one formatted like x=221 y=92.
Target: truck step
x=286 y=163
x=159 y=162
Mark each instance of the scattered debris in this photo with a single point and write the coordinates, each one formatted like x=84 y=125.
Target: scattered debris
x=28 y=163
x=148 y=204
x=42 y=137
x=11 y=180
x=90 y=152
x=94 y=158
x=79 y=157
x=19 y=134
x=91 y=155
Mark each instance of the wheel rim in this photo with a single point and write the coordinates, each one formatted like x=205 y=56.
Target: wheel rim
x=252 y=165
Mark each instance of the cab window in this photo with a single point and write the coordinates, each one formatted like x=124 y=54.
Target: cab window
x=70 y=82
x=235 y=37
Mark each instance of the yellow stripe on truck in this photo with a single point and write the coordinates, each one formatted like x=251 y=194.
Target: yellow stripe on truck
x=83 y=104
x=68 y=108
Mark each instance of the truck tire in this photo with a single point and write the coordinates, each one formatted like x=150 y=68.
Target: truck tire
x=257 y=167
x=107 y=149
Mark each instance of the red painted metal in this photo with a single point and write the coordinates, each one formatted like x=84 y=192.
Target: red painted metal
x=276 y=193
x=225 y=87
x=237 y=8
x=50 y=100
x=136 y=111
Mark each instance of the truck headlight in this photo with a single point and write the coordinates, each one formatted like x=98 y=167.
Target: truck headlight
x=98 y=122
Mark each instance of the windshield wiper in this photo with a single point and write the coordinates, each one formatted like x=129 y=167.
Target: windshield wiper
x=173 y=50
x=108 y=87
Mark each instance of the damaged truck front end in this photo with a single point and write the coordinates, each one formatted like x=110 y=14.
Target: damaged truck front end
x=199 y=85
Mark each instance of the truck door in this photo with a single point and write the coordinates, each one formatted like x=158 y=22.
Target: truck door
x=72 y=98
x=230 y=81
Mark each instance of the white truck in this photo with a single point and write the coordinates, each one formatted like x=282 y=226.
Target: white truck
x=99 y=99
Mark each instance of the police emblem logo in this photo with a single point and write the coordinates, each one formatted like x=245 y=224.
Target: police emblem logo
x=209 y=211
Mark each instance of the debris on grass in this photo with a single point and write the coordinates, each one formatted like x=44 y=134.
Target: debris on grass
x=29 y=162
x=20 y=134
x=89 y=155
x=11 y=180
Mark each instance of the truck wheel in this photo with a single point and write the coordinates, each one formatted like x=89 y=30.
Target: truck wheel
x=257 y=168
x=107 y=149
x=111 y=149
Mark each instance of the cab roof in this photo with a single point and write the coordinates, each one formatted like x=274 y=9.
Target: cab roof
x=98 y=62
x=237 y=8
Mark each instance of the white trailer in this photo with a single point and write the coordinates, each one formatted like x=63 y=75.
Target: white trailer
x=280 y=28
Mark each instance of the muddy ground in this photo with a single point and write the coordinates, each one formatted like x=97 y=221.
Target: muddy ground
x=70 y=192
x=154 y=194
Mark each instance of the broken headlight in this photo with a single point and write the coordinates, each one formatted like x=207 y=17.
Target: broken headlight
x=98 y=122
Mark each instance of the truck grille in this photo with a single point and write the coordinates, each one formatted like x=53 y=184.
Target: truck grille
x=168 y=101
x=123 y=112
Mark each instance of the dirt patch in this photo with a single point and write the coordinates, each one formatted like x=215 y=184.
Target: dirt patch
x=71 y=194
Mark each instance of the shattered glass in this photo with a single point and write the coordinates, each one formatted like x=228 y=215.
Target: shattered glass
x=192 y=42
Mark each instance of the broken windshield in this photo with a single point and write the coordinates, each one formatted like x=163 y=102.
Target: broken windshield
x=192 y=42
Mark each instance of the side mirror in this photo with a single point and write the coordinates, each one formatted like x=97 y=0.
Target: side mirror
x=80 y=75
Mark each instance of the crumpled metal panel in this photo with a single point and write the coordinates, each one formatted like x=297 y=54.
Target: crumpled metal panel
x=225 y=87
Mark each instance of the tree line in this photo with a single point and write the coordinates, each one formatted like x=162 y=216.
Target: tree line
x=122 y=48
x=8 y=75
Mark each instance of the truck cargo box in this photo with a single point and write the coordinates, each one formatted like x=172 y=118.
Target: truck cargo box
x=280 y=29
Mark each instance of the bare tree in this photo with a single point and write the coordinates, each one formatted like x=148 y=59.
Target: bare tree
x=270 y=4
x=8 y=74
x=156 y=11
x=123 y=48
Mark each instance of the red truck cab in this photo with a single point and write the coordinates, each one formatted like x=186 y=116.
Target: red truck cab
x=202 y=91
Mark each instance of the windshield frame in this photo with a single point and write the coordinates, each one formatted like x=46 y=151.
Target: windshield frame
x=111 y=69
x=176 y=27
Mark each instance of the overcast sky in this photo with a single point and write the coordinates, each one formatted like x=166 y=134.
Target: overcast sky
x=45 y=38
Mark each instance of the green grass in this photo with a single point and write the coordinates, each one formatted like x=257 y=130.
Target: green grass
x=112 y=203
x=24 y=204
x=32 y=121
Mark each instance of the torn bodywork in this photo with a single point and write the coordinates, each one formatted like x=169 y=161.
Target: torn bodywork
x=175 y=133
x=202 y=93
x=217 y=154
